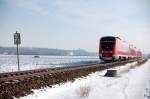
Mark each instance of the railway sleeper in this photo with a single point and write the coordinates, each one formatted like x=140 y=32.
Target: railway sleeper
x=34 y=82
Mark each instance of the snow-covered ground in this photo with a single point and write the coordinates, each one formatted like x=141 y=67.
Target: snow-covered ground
x=134 y=84
x=8 y=63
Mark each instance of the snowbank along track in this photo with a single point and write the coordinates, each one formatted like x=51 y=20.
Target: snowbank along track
x=16 y=84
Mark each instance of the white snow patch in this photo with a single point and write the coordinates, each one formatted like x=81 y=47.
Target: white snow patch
x=8 y=63
x=130 y=85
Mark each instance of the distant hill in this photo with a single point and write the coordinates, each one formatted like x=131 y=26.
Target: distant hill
x=45 y=51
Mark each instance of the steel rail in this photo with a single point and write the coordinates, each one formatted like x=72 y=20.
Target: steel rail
x=20 y=83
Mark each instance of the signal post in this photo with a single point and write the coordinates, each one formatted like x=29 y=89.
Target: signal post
x=17 y=42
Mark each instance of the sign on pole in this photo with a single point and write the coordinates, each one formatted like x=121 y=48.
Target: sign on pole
x=17 y=41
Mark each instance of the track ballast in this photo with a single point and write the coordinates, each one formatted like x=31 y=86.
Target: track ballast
x=16 y=84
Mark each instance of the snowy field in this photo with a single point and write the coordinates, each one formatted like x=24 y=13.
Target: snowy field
x=134 y=84
x=8 y=63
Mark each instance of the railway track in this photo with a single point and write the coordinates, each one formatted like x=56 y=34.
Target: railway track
x=16 y=84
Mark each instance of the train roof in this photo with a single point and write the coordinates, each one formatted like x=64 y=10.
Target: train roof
x=107 y=36
x=111 y=37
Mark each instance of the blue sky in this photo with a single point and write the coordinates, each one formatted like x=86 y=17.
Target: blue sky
x=73 y=24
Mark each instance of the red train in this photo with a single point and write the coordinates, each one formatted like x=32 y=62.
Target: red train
x=114 y=49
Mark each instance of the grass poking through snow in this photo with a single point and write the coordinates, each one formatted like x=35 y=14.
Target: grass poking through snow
x=83 y=91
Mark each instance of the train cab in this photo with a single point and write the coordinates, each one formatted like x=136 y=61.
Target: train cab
x=106 y=48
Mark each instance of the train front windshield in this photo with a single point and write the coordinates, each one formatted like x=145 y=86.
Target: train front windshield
x=107 y=43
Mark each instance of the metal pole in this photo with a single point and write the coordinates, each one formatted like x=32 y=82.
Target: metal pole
x=18 y=58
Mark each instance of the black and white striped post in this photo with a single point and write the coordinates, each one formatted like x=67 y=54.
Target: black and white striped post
x=17 y=41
